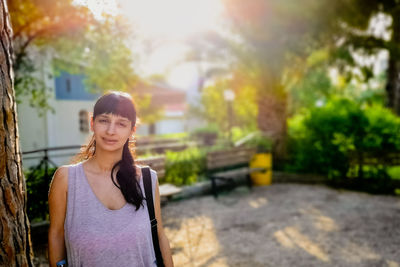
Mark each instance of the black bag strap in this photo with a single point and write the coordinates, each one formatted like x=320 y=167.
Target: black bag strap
x=148 y=190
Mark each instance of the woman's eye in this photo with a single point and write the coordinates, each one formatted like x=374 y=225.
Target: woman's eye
x=107 y=121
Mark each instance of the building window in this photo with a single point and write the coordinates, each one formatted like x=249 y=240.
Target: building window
x=68 y=85
x=71 y=87
x=84 y=121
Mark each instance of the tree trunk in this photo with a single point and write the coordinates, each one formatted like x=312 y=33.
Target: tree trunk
x=272 y=115
x=393 y=86
x=16 y=248
x=393 y=79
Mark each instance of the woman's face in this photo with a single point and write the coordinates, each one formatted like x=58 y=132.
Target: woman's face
x=111 y=131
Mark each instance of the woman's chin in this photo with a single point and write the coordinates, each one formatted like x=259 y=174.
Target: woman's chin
x=111 y=147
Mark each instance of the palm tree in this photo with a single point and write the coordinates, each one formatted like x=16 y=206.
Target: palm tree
x=273 y=35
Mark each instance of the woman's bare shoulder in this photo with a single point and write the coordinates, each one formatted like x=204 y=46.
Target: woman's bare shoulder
x=60 y=178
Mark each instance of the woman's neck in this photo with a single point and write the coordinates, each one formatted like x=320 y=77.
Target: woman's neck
x=104 y=162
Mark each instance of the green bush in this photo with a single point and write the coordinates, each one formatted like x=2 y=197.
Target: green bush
x=184 y=167
x=394 y=172
x=322 y=140
x=207 y=135
x=383 y=132
x=209 y=129
x=37 y=193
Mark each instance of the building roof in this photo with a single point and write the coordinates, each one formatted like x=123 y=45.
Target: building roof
x=162 y=95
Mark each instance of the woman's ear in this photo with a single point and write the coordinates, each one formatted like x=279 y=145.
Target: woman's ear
x=91 y=123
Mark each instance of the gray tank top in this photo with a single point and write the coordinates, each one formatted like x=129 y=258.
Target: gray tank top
x=97 y=236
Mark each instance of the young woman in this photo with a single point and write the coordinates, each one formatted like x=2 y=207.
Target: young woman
x=98 y=211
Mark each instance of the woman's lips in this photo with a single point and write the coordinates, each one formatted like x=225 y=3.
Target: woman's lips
x=108 y=141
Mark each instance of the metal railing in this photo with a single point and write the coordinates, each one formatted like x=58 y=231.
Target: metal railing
x=45 y=159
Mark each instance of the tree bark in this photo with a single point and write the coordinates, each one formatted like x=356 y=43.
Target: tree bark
x=272 y=116
x=16 y=247
x=393 y=85
x=393 y=79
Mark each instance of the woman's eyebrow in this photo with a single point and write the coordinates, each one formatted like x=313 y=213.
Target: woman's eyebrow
x=108 y=116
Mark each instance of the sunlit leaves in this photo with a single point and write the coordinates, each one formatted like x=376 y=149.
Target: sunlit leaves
x=244 y=105
x=78 y=43
x=324 y=139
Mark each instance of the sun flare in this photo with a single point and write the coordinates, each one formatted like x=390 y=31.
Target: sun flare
x=171 y=21
x=166 y=18
x=172 y=18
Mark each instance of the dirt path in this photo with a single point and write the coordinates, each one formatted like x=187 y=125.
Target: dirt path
x=285 y=225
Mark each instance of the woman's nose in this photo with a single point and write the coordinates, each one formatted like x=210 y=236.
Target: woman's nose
x=111 y=128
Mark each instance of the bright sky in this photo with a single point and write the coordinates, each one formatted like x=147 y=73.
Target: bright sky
x=168 y=20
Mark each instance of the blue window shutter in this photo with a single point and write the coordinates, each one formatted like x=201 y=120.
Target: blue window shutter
x=71 y=87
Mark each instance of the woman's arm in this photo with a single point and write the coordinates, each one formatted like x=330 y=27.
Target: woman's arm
x=57 y=210
x=163 y=240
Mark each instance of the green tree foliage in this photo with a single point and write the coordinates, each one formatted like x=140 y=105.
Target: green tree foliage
x=102 y=53
x=40 y=21
x=315 y=87
x=318 y=82
x=78 y=42
x=355 y=34
x=215 y=107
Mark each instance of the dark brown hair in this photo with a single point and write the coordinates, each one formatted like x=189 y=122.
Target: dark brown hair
x=118 y=103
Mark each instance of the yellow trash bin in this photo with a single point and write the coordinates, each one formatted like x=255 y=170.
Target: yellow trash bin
x=263 y=160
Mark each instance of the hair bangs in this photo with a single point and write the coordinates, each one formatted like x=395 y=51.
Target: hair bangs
x=116 y=103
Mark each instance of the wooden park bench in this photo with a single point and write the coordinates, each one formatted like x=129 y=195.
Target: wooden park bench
x=230 y=164
x=167 y=191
